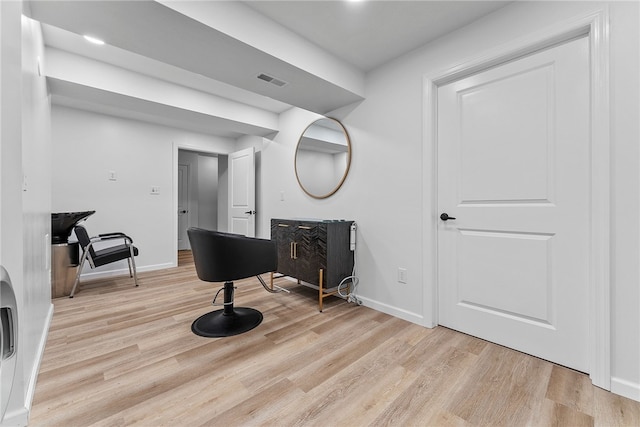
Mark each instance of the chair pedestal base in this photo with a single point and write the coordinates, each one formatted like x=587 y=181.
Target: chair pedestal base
x=220 y=324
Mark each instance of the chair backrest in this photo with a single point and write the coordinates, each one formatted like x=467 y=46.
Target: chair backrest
x=84 y=239
x=225 y=257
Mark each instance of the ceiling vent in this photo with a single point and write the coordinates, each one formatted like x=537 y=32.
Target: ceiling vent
x=270 y=79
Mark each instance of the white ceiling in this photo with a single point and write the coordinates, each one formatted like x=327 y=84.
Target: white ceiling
x=368 y=34
x=161 y=40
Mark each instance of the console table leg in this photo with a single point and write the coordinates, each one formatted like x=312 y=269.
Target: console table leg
x=320 y=291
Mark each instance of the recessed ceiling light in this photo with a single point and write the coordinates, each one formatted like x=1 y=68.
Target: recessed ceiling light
x=93 y=40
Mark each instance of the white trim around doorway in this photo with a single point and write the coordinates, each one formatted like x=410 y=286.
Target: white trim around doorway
x=174 y=170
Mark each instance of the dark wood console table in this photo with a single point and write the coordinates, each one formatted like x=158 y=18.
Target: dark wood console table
x=315 y=252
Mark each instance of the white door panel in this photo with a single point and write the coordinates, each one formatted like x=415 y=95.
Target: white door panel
x=513 y=169
x=516 y=291
x=242 y=192
x=525 y=139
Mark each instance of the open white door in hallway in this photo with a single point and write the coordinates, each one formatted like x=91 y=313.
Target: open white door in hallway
x=242 y=192
x=513 y=172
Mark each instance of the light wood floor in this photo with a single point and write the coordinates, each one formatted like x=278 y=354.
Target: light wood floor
x=119 y=355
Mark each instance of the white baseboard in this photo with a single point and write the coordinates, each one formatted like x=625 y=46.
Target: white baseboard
x=90 y=275
x=393 y=311
x=619 y=386
x=625 y=388
x=31 y=389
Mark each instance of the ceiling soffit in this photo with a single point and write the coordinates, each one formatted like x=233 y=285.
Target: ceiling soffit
x=155 y=31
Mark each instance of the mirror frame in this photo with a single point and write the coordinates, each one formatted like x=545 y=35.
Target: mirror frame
x=346 y=172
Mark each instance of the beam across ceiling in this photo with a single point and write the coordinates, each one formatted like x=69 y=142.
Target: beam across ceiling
x=181 y=34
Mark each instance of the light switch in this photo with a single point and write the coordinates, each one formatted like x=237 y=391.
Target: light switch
x=113 y=176
x=402 y=275
x=155 y=190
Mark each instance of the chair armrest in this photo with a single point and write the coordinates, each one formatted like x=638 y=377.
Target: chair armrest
x=111 y=236
x=115 y=235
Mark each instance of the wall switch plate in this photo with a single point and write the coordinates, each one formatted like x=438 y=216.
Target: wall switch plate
x=113 y=176
x=155 y=190
x=282 y=196
x=47 y=252
x=402 y=275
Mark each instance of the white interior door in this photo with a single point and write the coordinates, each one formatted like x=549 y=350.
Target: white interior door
x=183 y=207
x=513 y=170
x=242 y=192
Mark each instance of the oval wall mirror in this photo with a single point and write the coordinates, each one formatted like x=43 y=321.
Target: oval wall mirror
x=323 y=158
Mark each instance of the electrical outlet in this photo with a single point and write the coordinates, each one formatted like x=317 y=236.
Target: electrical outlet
x=402 y=275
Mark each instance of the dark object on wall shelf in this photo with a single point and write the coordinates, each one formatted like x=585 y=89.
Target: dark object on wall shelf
x=225 y=257
x=316 y=252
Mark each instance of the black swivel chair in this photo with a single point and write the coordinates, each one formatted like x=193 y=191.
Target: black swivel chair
x=224 y=257
x=107 y=255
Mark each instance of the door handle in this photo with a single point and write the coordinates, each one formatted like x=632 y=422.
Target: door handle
x=445 y=217
x=184 y=211
x=293 y=250
x=251 y=212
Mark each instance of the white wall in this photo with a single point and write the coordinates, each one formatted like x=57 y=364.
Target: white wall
x=625 y=134
x=384 y=191
x=25 y=220
x=11 y=216
x=86 y=146
x=36 y=199
x=208 y=192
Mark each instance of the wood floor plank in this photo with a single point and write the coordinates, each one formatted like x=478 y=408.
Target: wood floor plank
x=301 y=358
x=555 y=414
x=352 y=394
x=610 y=409
x=430 y=388
x=119 y=355
x=519 y=397
x=259 y=405
x=571 y=389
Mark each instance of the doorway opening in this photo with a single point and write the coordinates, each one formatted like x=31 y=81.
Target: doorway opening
x=201 y=194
